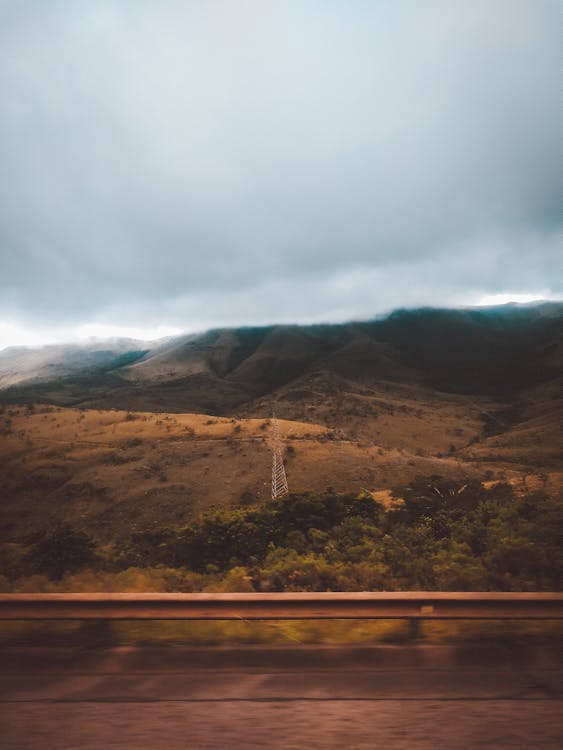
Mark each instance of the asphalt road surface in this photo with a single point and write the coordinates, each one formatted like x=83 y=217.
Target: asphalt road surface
x=393 y=697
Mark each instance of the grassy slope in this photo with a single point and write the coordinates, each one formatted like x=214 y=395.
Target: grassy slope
x=112 y=472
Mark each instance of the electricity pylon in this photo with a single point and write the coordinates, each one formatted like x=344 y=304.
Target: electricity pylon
x=279 y=479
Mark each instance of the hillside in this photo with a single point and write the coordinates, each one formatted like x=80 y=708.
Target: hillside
x=110 y=472
x=362 y=407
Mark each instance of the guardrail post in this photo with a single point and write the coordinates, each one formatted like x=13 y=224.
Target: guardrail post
x=98 y=632
x=415 y=631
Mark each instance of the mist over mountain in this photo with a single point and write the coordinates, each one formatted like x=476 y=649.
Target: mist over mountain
x=490 y=351
x=27 y=365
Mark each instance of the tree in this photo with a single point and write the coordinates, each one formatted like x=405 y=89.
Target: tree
x=65 y=550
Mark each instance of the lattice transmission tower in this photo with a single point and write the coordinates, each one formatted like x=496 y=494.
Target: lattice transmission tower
x=279 y=479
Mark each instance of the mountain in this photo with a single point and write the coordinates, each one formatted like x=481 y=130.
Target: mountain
x=22 y=365
x=491 y=351
x=125 y=438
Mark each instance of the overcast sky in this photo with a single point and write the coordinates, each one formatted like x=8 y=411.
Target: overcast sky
x=171 y=166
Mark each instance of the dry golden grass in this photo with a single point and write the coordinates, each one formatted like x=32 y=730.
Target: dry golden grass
x=113 y=472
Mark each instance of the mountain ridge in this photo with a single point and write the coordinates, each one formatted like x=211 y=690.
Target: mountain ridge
x=491 y=351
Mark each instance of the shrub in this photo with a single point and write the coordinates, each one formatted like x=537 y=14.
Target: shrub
x=65 y=550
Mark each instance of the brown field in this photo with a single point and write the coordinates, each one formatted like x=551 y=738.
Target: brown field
x=113 y=472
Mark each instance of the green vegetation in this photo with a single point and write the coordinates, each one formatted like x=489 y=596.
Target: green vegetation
x=442 y=536
x=63 y=551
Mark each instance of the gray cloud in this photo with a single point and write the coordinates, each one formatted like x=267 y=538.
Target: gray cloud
x=194 y=163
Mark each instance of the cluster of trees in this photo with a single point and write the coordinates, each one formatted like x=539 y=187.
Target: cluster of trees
x=443 y=536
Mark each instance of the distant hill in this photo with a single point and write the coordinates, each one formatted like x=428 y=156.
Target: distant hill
x=490 y=351
x=21 y=365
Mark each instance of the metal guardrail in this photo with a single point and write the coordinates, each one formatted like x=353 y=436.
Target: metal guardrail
x=412 y=605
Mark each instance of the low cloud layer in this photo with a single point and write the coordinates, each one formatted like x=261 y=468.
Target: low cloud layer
x=187 y=164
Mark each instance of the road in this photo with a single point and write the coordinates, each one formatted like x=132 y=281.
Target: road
x=397 y=697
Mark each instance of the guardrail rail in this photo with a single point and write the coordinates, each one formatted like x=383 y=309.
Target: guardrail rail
x=411 y=605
